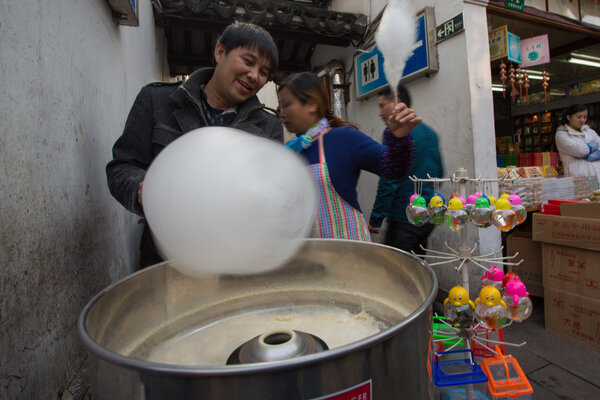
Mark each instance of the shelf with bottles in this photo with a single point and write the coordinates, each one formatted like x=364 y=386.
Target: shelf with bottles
x=535 y=132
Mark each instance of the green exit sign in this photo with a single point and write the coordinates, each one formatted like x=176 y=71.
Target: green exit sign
x=516 y=5
x=449 y=28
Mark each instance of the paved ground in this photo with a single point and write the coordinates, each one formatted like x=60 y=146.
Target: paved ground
x=557 y=368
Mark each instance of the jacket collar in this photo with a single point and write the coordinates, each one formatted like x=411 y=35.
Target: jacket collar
x=573 y=132
x=190 y=92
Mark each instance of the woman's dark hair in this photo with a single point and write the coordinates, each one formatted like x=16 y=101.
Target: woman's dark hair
x=243 y=34
x=306 y=87
x=573 y=109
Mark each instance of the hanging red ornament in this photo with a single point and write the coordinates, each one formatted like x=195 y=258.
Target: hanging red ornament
x=511 y=79
x=526 y=85
x=545 y=85
x=503 y=77
x=520 y=82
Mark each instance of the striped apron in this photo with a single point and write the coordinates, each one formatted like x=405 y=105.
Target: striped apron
x=336 y=219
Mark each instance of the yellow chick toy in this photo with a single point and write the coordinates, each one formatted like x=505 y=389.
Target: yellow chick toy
x=490 y=296
x=490 y=309
x=436 y=201
x=458 y=308
x=436 y=209
x=459 y=296
x=455 y=204
x=455 y=217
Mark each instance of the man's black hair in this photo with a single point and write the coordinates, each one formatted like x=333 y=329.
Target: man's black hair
x=402 y=92
x=243 y=34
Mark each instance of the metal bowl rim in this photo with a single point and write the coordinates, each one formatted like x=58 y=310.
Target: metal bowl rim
x=245 y=369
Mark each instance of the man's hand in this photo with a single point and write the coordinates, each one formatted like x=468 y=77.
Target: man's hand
x=403 y=120
x=372 y=229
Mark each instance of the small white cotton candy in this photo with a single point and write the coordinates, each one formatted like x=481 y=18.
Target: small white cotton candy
x=219 y=200
x=395 y=38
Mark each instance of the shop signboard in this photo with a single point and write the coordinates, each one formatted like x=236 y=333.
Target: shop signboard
x=516 y=5
x=497 y=41
x=535 y=51
x=504 y=44
x=514 y=48
x=368 y=66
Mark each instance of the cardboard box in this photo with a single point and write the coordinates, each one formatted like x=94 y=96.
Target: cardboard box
x=572 y=316
x=583 y=209
x=568 y=229
x=572 y=270
x=530 y=271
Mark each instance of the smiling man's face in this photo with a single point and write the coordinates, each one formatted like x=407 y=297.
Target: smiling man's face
x=239 y=75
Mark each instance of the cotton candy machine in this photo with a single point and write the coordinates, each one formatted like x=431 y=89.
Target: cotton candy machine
x=340 y=319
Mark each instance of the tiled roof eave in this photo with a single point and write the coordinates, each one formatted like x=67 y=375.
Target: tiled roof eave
x=323 y=26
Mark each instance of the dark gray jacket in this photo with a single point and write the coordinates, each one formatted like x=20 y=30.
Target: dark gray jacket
x=160 y=114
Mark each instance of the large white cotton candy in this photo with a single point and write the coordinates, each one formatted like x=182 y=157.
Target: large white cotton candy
x=219 y=200
x=395 y=38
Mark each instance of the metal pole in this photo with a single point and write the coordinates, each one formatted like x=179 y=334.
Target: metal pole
x=461 y=176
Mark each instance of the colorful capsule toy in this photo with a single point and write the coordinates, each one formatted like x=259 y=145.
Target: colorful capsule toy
x=436 y=209
x=493 y=276
x=503 y=217
x=416 y=211
x=517 y=207
x=508 y=277
x=458 y=308
x=481 y=215
x=413 y=197
x=455 y=218
x=517 y=300
x=490 y=309
x=458 y=196
x=470 y=204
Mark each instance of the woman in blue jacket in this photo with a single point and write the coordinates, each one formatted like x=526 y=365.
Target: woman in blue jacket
x=337 y=152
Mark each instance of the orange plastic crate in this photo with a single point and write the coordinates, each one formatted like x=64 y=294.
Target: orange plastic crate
x=505 y=376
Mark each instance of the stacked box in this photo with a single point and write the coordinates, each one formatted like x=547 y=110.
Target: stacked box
x=530 y=270
x=571 y=270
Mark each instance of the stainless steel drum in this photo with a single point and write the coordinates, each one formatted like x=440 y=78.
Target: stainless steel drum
x=342 y=319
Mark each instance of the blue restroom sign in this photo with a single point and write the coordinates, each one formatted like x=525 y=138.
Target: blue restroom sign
x=368 y=65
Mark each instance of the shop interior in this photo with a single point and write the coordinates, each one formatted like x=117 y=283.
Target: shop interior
x=525 y=125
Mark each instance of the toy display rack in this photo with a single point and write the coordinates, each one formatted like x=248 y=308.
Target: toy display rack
x=464 y=256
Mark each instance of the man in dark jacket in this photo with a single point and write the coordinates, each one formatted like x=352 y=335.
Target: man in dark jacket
x=393 y=194
x=246 y=57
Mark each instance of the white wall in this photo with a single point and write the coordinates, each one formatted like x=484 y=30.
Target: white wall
x=68 y=77
x=456 y=102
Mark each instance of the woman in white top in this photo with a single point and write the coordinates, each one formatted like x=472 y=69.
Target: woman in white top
x=578 y=144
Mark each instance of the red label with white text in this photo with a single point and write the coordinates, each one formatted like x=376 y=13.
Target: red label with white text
x=359 y=392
